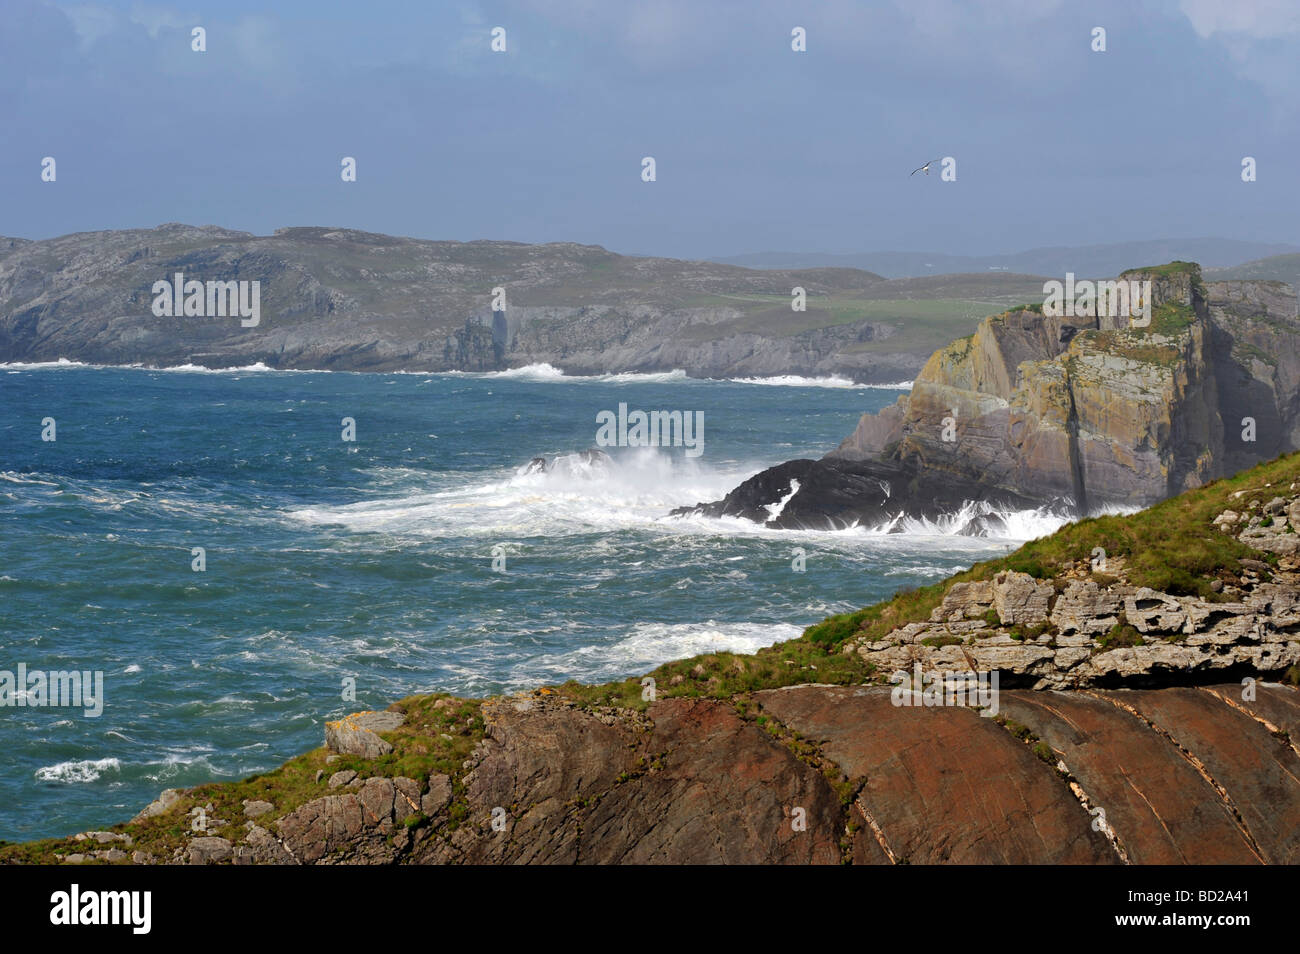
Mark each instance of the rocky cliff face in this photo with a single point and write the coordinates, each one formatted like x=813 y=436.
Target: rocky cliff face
x=340 y=299
x=813 y=775
x=1084 y=411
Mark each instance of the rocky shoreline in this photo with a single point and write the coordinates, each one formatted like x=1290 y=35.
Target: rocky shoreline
x=1129 y=723
x=347 y=300
x=816 y=775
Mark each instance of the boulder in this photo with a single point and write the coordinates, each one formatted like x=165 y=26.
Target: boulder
x=358 y=734
x=438 y=796
x=1019 y=599
x=256 y=808
x=164 y=801
x=209 y=850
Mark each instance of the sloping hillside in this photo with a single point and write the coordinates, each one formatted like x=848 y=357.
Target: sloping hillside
x=1275 y=268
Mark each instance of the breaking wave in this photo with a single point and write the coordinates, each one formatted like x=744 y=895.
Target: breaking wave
x=80 y=771
x=832 y=381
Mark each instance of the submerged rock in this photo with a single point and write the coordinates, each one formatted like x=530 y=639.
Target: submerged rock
x=588 y=463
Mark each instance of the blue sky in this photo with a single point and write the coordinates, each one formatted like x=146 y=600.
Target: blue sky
x=757 y=147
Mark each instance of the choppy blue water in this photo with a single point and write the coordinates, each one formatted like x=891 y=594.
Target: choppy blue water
x=373 y=559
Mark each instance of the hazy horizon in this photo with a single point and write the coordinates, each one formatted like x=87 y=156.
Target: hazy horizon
x=758 y=148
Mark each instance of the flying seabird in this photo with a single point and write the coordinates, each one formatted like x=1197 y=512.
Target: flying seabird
x=925 y=168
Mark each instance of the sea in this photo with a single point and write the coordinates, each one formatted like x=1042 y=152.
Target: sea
x=214 y=545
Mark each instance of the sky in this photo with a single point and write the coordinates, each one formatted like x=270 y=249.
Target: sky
x=757 y=146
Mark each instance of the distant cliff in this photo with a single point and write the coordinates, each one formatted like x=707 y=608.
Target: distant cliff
x=1087 y=411
x=341 y=299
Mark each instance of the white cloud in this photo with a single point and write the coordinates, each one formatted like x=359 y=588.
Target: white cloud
x=1258 y=38
x=1258 y=19
x=91 y=24
x=156 y=19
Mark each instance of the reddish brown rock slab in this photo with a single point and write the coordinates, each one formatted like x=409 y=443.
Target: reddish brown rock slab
x=1159 y=806
x=1276 y=704
x=538 y=763
x=698 y=786
x=943 y=785
x=725 y=792
x=865 y=844
x=1260 y=774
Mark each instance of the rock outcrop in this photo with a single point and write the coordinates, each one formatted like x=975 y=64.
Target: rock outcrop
x=358 y=734
x=840 y=493
x=1084 y=412
x=1042 y=637
x=1089 y=626
x=830 y=775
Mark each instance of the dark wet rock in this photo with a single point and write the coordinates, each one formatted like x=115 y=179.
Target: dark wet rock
x=587 y=463
x=834 y=493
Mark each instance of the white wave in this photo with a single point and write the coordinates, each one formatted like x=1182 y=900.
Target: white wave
x=774 y=509
x=45 y=365
x=650 y=644
x=539 y=372
x=547 y=372
x=200 y=369
x=529 y=372
x=85 y=770
x=648 y=377
x=997 y=524
x=636 y=489
x=178 y=765
x=831 y=381
x=8 y=476
x=1003 y=528
x=257 y=366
